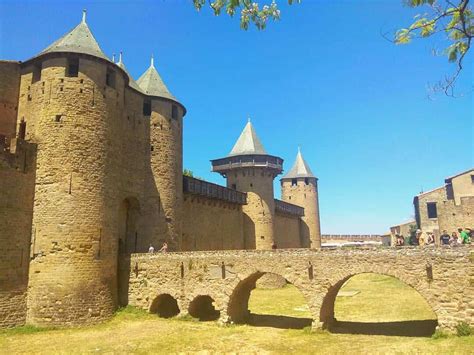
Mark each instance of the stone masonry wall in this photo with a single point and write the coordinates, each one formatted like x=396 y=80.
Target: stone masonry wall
x=17 y=181
x=438 y=196
x=288 y=231
x=463 y=186
x=229 y=277
x=9 y=86
x=452 y=216
x=210 y=224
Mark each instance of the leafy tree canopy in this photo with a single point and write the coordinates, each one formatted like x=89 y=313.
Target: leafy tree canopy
x=454 y=19
x=250 y=11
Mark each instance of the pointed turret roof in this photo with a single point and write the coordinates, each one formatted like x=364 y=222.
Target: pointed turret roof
x=300 y=168
x=151 y=83
x=79 y=40
x=131 y=82
x=248 y=142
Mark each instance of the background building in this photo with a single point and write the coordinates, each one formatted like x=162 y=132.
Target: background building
x=448 y=207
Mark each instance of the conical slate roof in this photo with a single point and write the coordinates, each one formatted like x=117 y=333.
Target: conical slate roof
x=131 y=82
x=300 y=169
x=79 y=40
x=151 y=83
x=248 y=143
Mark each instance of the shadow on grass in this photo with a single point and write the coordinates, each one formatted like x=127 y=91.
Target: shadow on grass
x=281 y=322
x=416 y=328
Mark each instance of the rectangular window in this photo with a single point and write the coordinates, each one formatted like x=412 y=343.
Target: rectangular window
x=36 y=73
x=72 y=69
x=174 y=111
x=294 y=182
x=146 y=107
x=472 y=179
x=110 y=78
x=432 y=210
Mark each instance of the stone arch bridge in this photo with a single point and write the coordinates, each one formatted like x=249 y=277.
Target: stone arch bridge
x=444 y=277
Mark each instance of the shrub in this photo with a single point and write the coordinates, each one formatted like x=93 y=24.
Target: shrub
x=463 y=329
x=439 y=334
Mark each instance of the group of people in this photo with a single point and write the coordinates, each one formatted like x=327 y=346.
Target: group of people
x=463 y=236
x=163 y=249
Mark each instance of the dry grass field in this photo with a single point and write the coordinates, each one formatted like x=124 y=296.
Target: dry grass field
x=369 y=298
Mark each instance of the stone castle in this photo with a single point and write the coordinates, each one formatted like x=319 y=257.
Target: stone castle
x=91 y=171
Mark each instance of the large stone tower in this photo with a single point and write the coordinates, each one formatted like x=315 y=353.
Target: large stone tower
x=69 y=103
x=166 y=139
x=248 y=168
x=300 y=187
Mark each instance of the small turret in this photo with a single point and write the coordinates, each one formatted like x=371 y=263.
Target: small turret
x=300 y=187
x=248 y=168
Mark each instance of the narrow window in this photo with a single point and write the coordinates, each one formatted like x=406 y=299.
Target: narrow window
x=147 y=108
x=22 y=129
x=110 y=78
x=58 y=118
x=432 y=210
x=72 y=68
x=174 y=111
x=36 y=73
x=472 y=179
x=294 y=182
x=306 y=181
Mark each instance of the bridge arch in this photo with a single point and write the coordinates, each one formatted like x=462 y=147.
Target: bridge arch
x=165 y=306
x=203 y=308
x=327 y=309
x=237 y=306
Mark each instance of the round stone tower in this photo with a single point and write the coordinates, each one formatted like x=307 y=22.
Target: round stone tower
x=71 y=96
x=248 y=168
x=166 y=139
x=300 y=187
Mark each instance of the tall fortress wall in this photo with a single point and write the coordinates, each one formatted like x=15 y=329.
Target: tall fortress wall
x=17 y=181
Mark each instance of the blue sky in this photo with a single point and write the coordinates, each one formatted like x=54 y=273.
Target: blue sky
x=323 y=78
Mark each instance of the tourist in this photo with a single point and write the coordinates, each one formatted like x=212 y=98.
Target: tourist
x=444 y=238
x=164 y=248
x=454 y=239
x=400 y=240
x=415 y=240
x=464 y=236
x=430 y=239
x=151 y=250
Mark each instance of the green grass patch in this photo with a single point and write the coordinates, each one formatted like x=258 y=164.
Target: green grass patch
x=25 y=329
